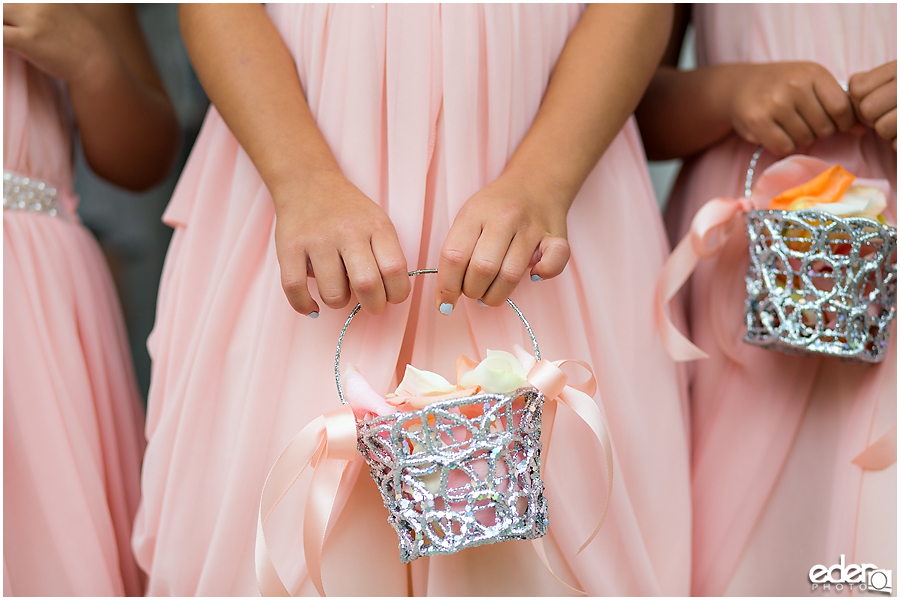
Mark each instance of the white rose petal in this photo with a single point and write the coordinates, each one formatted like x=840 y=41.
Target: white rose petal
x=432 y=482
x=514 y=363
x=499 y=373
x=422 y=383
x=857 y=201
x=846 y=207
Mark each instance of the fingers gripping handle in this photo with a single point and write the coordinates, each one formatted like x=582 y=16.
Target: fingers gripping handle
x=751 y=170
x=337 y=354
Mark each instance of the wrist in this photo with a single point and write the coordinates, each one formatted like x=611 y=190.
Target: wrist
x=725 y=85
x=543 y=185
x=294 y=186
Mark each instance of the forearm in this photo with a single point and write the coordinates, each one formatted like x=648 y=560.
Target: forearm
x=251 y=78
x=128 y=129
x=684 y=112
x=591 y=94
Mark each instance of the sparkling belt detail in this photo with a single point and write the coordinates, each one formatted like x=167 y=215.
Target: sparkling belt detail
x=26 y=193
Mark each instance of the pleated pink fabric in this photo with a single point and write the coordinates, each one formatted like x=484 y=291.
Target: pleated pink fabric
x=422 y=105
x=774 y=488
x=72 y=415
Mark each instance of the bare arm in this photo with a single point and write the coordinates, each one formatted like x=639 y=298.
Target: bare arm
x=519 y=220
x=325 y=227
x=250 y=77
x=127 y=124
x=599 y=78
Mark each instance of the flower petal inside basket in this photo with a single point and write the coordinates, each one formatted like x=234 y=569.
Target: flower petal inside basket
x=833 y=190
x=858 y=200
x=417 y=382
x=825 y=188
x=500 y=372
x=417 y=402
x=360 y=395
x=464 y=364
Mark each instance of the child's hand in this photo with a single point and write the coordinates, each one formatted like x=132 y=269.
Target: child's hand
x=59 y=39
x=497 y=235
x=786 y=105
x=874 y=95
x=346 y=243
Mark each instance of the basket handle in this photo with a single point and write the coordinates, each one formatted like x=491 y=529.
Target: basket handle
x=337 y=354
x=751 y=170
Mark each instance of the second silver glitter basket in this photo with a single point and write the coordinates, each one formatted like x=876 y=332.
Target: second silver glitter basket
x=458 y=473
x=818 y=283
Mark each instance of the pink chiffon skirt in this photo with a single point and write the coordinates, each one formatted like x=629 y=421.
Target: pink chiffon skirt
x=72 y=416
x=422 y=106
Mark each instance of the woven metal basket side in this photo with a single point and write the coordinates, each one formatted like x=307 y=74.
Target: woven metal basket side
x=451 y=481
x=821 y=284
x=461 y=472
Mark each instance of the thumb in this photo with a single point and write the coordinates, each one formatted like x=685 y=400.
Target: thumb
x=554 y=253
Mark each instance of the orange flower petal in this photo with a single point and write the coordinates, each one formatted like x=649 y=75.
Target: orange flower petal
x=825 y=188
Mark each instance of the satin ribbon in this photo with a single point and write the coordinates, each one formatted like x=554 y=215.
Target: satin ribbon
x=881 y=454
x=716 y=218
x=328 y=444
x=553 y=383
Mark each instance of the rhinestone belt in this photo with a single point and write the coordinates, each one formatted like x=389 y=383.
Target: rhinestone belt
x=27 y=193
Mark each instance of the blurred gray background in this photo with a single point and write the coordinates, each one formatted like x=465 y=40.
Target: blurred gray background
x=664 y=172
x=129 y=226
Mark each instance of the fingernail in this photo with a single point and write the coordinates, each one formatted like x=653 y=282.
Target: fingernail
x=313 y=315
x=536 y=278
x=481 y=302
x=446 y=308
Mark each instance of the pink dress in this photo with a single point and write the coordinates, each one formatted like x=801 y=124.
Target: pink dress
x=774 y=488
x=72 y=414
x=422 y=106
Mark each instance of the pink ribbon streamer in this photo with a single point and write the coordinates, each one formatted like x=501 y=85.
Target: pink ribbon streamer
x=552 y=382
x=717 y=217
x=328 y=444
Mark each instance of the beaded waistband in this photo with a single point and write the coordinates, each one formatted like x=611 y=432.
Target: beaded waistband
x=27 y=193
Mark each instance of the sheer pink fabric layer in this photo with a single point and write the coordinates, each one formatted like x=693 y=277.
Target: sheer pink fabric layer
x=774 y=488
x=72 y=415
x=422 y=106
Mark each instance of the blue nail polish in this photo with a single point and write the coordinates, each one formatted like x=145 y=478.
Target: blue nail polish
x=313 y=315
x=481 y=302
x=536 y=278
x=446 y=308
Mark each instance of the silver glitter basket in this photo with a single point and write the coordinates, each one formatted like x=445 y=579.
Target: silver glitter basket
x=820 y=284
x=458 y=473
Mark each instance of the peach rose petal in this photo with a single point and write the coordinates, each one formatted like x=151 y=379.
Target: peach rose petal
x=464 y=364
x=360 y=395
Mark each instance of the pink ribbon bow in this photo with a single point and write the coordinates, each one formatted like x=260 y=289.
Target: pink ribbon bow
x=328 y=444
